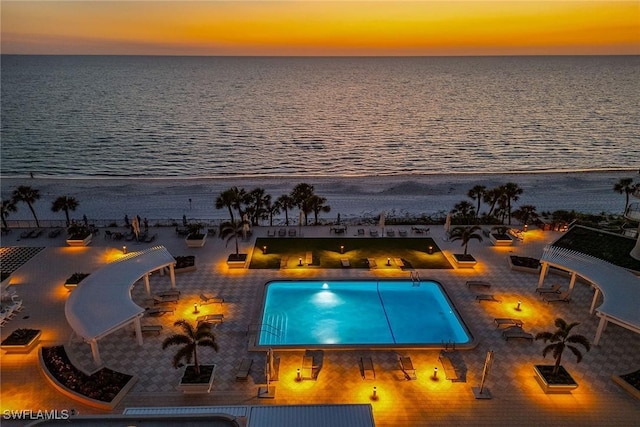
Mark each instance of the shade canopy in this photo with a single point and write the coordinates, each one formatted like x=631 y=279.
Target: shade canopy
x=102 y=303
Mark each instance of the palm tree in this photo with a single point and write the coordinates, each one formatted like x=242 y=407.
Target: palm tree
x=191 y=339
x=232 y=230
x=512 y=192
x=7 y=207
x=525 y=214
x=560 y=339
x=477 y=193
x=256 y=201
x=463 y=209
x=272 y=209
x=285 y=202
x=491 y=198
x=231 y=198
x=66 y=204
x=465 y=234
x=625 y=186
x=317 y=205
x=29 y=195
x=301 y=195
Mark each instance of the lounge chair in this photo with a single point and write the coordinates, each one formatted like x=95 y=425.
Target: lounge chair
x=391 y=233
x=371 y=262
x=478 y=283
x=366 y=368
x=563 y=297
x=507 y=321
x=271 y=233
x=147 y=329
x=211 y=319
x=399 y=262
x=158 y=311
x=406 y=366
x=282 y=232
x=151 y=238
x=27 y=233
x=308 y=371
x=169 y=293
x=308 y=258
x=55 y=232
x=345 y=262
x=157 y=299
x=242 y=373
x=210 y=299
x=555 y=289
x=360 y=231
x=373 y=233
x=402 y=233
x=450 y=372
x=292 y=232
x=487 y=297
x=516 y=332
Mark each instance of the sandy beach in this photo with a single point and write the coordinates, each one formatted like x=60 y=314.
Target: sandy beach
x=351 y=197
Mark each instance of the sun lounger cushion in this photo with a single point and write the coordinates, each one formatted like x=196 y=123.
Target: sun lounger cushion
x=242 y=373
x=506 y=321
x=449 y=370
x=406 y=365
x=487 y=298
x=366 y=368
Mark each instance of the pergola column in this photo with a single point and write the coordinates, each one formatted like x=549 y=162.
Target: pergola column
x=138 y=327
x=596 y=294
x=95 y=351
x=543 y=273
x=601 y=326
x=572 y=281
x=172 y=274
x=146 y=284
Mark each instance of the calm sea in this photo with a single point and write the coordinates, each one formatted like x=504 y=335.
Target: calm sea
x=113 y=116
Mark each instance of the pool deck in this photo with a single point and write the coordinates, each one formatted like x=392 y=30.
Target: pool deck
x=517 y=399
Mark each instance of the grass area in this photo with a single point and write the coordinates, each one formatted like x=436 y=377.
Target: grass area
x=613 y=248
x=325 y=252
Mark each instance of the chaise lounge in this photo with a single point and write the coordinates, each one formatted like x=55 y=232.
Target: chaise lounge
x=563 y=297
x=366 y=368
x=516 y=332
x=450 y=372
x=555 y=289
x=242 y=373
x=406 y=366
x=487 y=297
x=507 y=321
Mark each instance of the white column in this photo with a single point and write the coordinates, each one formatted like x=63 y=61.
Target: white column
x=601 y=326
x=146 y=284
x=572 y=282
x=137 y=325
x=595 y=299
x=172 y=274
x=95 y=352
x=543 y=273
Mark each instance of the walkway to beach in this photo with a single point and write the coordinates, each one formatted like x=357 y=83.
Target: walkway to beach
x=517 y=398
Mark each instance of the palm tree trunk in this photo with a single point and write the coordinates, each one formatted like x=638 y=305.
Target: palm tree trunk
x=4 y=222
x=237 y=248
x=556 y=367
x=230 y=213
x=196 y=365
x=286 y=216
x=66 y=212
x=34 y=214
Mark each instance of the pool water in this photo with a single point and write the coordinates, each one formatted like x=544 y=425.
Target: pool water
x=354 y=313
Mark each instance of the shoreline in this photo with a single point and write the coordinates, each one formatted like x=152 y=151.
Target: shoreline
x=351 y=197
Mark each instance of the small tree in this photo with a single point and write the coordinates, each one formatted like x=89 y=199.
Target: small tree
x=29 y=195
x=560 y=339
x=190 y=340
x=7 y=207
x=66 y=204
x=232 y=230
x=465 y=234
x=625 y=186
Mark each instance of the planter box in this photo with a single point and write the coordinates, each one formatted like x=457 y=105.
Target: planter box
x=464 y=261
x=73 y=241
x=524 y=264
x=626 y=386
x=205 y=383
x=184 y=265
x=500 y=239
x=196 y=242
x=73 y=281
x=22 y=347
x=5 y=281
x=551 y=385
x=238 y=261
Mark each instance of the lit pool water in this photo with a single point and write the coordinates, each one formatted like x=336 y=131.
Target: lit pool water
x=359 y=313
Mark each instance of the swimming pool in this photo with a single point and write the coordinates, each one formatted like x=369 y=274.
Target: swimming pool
x=343 y=314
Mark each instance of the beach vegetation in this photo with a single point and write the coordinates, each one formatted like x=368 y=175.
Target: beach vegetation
x=464 y=211
x=465 y=235
x=28 y=195
x=561 y=339
x=317 y=205
x=232 y=198
x=302 y=195
x=257 y=201
x=477 y=193
x=65 y=204
x=625 y=186
x=511 y=193
x=190 y=339
x=6 y=208
x=77 y=231
x=526 y=214
x=272 y=208
x=491 y=197
x=285 y=203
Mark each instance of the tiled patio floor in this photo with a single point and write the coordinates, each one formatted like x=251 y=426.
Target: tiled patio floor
x=517 y=399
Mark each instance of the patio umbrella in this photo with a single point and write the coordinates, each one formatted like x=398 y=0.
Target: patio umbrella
x=245 y=226
x=135 y=226
x=381 y=224
x=447 y=225
x=269 y=368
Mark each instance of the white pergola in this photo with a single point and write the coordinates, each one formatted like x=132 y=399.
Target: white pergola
x=102 y=304
x=620 y=288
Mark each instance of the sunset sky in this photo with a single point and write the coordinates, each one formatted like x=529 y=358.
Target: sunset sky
x=383 y=27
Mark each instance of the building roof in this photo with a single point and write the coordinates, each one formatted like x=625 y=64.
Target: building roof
x=620 y=288
x=102 y=303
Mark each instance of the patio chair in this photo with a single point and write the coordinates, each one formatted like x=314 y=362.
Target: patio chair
x=391 y=233
x=507 y=321
x=373 y=233
x=563 y=297
x=282 y=232
x=555 y=289
x=210 y=299
x=360 y=231
x=487 y=297
x=271 y=233
x=150 y=238
x=516 y=332
x=450 y=372
x=402 y=233
x=366 y=368
x=292 y=232
x=406 y=366
x=243 y=370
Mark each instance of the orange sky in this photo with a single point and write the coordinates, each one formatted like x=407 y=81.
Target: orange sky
x=384 y=27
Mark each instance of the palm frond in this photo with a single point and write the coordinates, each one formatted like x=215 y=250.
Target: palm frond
x=176 y=339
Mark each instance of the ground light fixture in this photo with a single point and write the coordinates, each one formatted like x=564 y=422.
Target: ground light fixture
x=124 y=249
x=518 y=306
x=195 y=308
x=435 y=373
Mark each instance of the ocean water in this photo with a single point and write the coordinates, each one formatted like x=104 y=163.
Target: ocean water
x=112 y=116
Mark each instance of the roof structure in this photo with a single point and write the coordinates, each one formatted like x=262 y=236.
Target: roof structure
x=102 y=304
x=620 y=288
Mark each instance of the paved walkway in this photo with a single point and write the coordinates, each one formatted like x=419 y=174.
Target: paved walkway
x=517 y=398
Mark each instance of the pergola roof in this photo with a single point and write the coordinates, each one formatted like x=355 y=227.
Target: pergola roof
x=620 y=288
x=102 y=303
